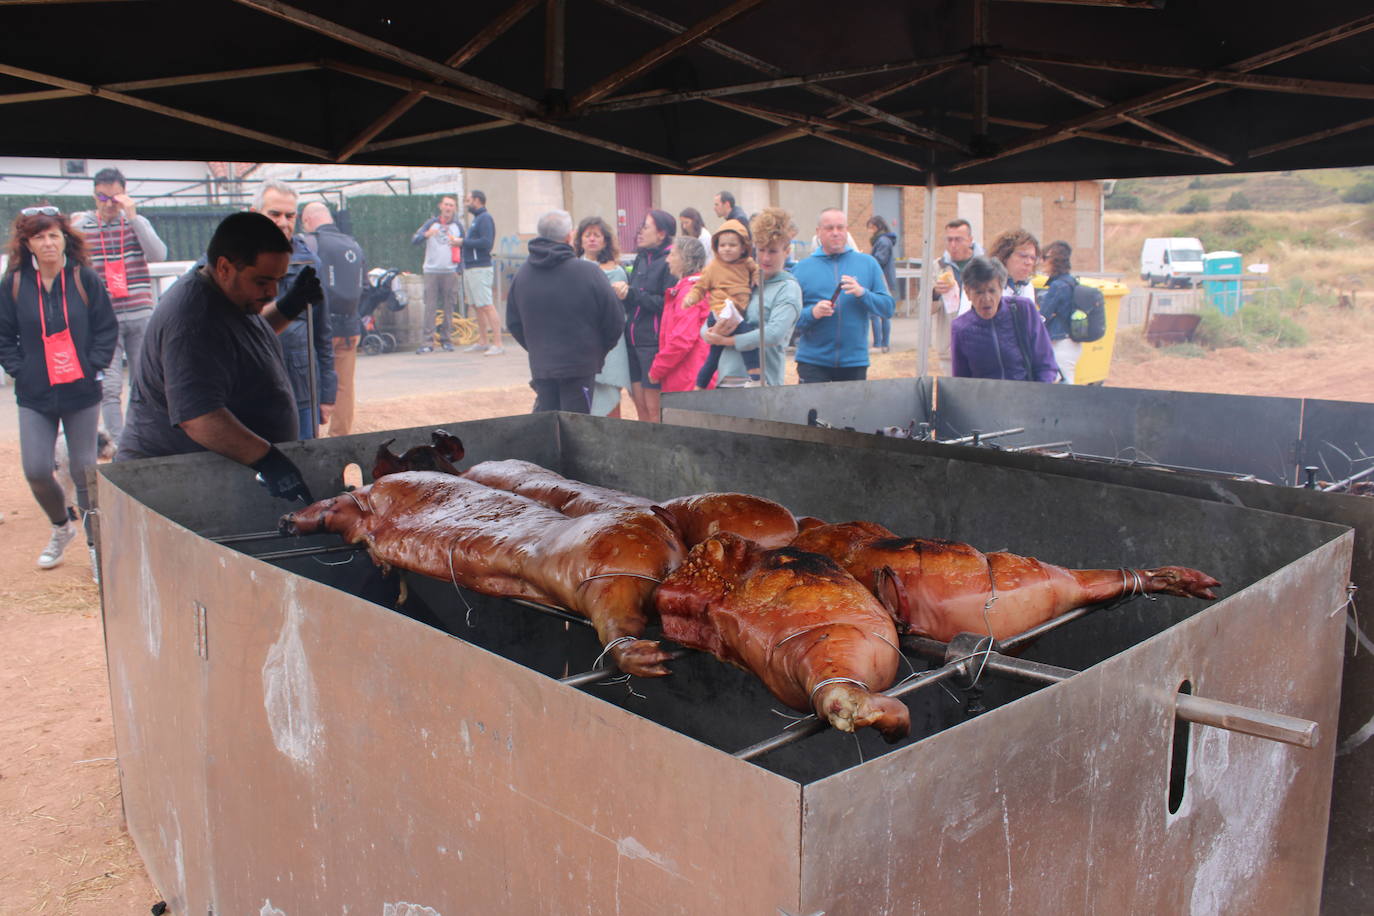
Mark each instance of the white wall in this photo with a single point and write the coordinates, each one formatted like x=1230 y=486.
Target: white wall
x=15 y=169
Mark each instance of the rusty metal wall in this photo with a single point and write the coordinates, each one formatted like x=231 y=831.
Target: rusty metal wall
x=316 y=749
x=1349 y=880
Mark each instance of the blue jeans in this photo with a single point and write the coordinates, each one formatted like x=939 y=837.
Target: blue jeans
x=305 y=431
x=882 y=331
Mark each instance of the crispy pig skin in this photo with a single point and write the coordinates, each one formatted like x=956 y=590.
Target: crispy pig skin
x=499 y=543
x=940 y=588
x=696 y=517
x=794 y=619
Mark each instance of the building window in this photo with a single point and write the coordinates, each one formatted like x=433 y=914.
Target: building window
x=73 y=168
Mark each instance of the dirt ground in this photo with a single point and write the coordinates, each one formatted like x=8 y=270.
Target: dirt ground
x=63 y=847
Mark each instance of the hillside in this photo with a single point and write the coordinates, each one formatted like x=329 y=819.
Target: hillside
x=1298 y=190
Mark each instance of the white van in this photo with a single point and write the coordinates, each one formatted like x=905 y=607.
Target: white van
x=1173 y=262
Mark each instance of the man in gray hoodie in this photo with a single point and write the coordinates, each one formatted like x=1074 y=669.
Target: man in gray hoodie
x=442 y=237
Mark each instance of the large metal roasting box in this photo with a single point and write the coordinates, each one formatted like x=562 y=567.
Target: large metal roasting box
x=290 y=743
x=1223 y=438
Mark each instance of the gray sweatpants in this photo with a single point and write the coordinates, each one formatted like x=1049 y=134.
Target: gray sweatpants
x=130 y=342
x=37 y=445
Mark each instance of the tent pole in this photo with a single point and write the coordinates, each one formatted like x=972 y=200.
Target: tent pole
x=927 y=279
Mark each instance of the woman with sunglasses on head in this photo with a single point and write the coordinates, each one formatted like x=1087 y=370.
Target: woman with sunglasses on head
x=57 y=334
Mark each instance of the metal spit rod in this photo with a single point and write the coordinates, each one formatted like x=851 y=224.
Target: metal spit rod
x=979 y=436
x=1200 y=710
x=306 y=551
x=1067 y=443
x=251 y=536
x=1332 y=487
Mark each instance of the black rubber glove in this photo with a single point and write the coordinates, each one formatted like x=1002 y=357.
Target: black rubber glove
x=305 y=290
x=282 y=478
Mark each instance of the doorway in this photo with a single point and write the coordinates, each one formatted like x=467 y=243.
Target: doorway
x=633 y=199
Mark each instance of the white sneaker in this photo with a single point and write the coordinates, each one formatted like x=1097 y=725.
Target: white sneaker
x=494 y=351
x=95 y=564
x=61 y=536
x=474 y=348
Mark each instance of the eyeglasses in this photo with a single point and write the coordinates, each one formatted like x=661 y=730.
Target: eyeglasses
x=103 y=198
x=40 y=211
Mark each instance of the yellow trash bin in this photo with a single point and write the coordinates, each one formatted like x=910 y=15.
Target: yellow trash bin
x=1096 y=359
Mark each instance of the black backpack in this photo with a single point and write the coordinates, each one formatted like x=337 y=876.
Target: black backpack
x=1088 y=320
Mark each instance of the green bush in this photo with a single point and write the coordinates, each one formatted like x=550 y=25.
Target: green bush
x=1256 y=325
x=1187 y=350
x=1198 y=203
x=1119 y=201
x=1238 y=201
x=1362 y=193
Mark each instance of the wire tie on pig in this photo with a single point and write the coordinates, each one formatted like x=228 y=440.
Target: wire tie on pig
x=611 y=645
x=613 y=574
x=461 y=597
x=361 y=508
x=900 y=653
x=835 y=680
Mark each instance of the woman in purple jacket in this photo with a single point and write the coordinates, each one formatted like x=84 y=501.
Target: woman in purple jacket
x=1002 y=336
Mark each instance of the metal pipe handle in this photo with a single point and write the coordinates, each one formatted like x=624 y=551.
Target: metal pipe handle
x=1272 y=725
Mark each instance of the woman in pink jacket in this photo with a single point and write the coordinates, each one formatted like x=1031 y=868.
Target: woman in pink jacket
x=681 y=351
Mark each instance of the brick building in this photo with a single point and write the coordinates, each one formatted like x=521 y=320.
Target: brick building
x=1053 y=210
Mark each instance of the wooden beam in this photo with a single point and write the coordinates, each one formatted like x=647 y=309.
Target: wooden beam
x=43 y=95
x=497 y=110
x=555 y=43
x=493 y=30
x=380 y=48
x=786 y=134
x=981 y=30
x=1151 y=100
x=1312 y=138
x=667 y=97
x=1085 y=134
x=683 y=40
x=191 y=78
x=1236 y=78
x=1088 y=98
x=434 y=135
x=762 y=66
x=78 y=88
x=826 y=135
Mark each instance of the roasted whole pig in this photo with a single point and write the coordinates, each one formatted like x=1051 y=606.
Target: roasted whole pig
x=941 y=588
x=604 y=565
x=696 y=517
x=815 y=637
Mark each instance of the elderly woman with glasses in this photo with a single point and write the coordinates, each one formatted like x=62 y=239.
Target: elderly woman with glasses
x=57 y=335
x=1019 y=252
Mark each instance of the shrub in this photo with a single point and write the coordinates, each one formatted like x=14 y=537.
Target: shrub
x=1362 y=193
x=1198 y=203
x=1256 y=325
x=1238 y=201
x=1121 y=201
x=1196 y=183
x=1188 y=350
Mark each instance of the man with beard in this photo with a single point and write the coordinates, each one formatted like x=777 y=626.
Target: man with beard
x=210 y=376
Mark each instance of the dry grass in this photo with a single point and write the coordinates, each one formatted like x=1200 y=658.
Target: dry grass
x=1279 y=237
x=60 y=597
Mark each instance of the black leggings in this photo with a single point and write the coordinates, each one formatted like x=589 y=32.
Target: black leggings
x=37 y=448
x=809 y=372
x=571 y=394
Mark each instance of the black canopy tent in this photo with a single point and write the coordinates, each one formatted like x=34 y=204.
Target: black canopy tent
x=924 y=92
x=989 y=91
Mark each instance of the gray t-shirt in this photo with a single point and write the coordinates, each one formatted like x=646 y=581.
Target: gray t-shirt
x=202 y=353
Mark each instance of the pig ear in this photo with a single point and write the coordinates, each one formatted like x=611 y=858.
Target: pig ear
x=891 y=591
x=807 y=522
x=386 y=462
x=669 y=518
x=448 y=445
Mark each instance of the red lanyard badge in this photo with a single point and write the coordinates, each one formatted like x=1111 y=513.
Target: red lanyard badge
x=116 y=278
x=59 y=350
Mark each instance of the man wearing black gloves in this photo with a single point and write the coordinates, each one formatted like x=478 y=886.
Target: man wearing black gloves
x=562 y=310
x=210 y=376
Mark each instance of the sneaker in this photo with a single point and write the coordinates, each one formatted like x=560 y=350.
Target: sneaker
x=446 y=347
x=475 y=348
x=425 y=349
x=61 y=536
x=493 y=351
x=95 y=564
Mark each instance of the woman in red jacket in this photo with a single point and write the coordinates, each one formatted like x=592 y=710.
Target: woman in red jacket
x=681 y=351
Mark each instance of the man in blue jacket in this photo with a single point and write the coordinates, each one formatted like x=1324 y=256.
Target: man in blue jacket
x=833 y=346
x=478 y=273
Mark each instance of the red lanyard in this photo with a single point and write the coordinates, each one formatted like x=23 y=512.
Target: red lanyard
x=104 y=252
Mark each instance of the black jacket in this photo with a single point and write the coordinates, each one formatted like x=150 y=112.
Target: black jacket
x=649 y=280
x=562 y=310
x=94 y=332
